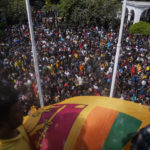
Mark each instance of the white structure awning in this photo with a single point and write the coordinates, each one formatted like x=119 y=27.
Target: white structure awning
x=138 y=8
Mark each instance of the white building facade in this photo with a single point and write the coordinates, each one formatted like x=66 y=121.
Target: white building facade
x=138 y=8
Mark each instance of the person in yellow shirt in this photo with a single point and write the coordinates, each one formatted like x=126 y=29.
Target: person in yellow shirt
x=12 y=133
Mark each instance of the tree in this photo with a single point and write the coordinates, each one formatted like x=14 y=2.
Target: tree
x=14 y=10
x=2 y=26
x=89 y=11
x=37 y=4
x=52 y=1
x=141 y=27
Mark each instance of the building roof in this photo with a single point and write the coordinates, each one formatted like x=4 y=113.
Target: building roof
x=139 y=4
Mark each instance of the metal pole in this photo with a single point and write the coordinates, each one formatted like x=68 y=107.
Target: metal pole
x=34 y=53
x=118 y=48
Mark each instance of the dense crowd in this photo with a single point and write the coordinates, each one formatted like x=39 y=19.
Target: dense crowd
x=74 y=61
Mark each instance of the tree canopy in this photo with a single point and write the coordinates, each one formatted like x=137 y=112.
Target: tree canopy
x=141 y=27
x=52 y=1
x=74 y=11
x=89 y=11
x=14 y=10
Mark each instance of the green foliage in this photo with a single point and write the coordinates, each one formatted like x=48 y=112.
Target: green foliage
x=89 y=11
x=2 y=25
x=52 y=1
x=14 y=10
x=1 y=34
x=141 y=27
x=67 y=7
x=50 y=7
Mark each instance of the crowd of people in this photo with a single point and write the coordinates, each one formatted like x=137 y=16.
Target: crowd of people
x=74 y=61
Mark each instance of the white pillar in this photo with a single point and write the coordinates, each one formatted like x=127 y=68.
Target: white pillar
x=130 y=9
x=129 y=16
x=138 y=12
x=118 y=49
x=145 y=15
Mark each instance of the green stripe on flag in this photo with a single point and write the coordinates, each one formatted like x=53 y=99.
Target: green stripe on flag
x=121 y=132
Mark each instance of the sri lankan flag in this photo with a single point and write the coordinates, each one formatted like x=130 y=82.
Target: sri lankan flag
x=86 y=123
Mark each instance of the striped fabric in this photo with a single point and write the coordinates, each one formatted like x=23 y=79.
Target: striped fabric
x=86 y=123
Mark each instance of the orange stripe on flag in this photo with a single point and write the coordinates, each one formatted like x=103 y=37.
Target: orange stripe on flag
x=95 y=129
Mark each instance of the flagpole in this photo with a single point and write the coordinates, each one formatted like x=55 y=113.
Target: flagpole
x=34 y=53
x=118 y=49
